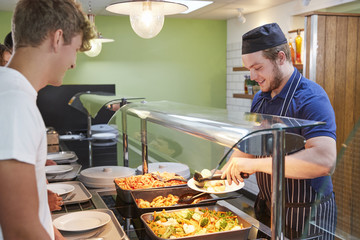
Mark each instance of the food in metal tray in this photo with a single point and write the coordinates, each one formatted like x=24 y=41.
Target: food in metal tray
x=148 y=180
x=162 y=201
x=192 y=222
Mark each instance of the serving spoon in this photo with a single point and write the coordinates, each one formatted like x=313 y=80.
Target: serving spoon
x=189 y=199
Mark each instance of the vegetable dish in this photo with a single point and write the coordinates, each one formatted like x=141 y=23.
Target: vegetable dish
x=190 y=222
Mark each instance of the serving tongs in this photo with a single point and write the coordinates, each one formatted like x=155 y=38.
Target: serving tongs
x=200 y=181
x=158 y=177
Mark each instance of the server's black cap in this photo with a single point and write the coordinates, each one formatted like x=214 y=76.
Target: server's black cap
x=263 y=37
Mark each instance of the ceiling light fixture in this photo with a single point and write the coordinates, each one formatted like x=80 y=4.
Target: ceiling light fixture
x=146 y=16
x=241 y=18
x=96 y=43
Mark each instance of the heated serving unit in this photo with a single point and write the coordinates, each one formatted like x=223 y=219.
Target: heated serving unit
x=256 y=134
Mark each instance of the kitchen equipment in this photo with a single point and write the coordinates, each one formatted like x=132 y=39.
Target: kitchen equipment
x=103 y=177
x=233 y=234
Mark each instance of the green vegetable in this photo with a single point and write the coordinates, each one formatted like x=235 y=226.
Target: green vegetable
x=157 y=218
x=168 y=232
x=187 y=214
x=204 y=222
x=221 y=224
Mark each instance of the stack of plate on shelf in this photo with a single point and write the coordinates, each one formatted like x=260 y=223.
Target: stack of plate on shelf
x=71 y=137
x=104 y=135
x=170 y=167
x=63 y=157
x=103 y=177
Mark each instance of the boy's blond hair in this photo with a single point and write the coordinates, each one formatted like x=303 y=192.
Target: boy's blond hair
x=34 y=20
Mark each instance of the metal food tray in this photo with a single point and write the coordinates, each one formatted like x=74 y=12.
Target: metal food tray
x=125 y=195
x=228 y=235
x=82 y=194
x=111 y=230
x=65 y=176
x=150 y=194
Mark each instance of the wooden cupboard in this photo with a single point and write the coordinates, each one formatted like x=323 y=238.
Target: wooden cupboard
x=332 y=43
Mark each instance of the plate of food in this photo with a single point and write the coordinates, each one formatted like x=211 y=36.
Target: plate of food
x=217 y=186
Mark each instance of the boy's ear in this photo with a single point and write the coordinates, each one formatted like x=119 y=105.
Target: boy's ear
x=57 y=40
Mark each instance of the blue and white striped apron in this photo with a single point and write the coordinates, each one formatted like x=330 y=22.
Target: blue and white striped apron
x=308 y=213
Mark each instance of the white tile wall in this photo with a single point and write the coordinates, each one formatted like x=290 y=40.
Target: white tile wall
x=235 y=84
x=235 y=80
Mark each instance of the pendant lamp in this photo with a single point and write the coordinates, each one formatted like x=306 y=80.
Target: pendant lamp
x=146 y=16
x=96 y=43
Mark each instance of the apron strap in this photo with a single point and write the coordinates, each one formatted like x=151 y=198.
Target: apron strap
x=290 y=94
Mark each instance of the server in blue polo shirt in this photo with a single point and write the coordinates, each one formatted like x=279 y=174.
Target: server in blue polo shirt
x=310 y=208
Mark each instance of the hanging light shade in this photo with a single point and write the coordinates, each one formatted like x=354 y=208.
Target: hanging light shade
x=96 y=43
x=146 y=16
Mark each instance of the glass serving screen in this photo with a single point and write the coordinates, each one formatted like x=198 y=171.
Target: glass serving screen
x=216 y=125
x=91 y=102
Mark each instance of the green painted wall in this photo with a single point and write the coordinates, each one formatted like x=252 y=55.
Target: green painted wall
x=185 y=63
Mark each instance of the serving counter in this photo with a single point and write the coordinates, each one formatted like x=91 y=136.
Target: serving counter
x=256 y=134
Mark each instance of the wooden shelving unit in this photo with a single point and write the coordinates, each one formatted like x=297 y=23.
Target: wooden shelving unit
x=241 y=95
x=239 y=69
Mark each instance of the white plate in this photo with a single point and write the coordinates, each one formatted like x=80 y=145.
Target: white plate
x=228 y=188
x=81 y=221
x=71 y=160
x=60 y=156
x=103 y=136
x=58 y=169
x=60 y=188
x=70 y=137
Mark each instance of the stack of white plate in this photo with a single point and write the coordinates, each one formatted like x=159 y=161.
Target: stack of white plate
x=103 y=177
x=170 y=167
x=103 y=135
x=103 y=128
x=63 y=157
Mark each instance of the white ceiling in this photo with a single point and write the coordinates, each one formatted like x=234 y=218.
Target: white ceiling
x=219 y=9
